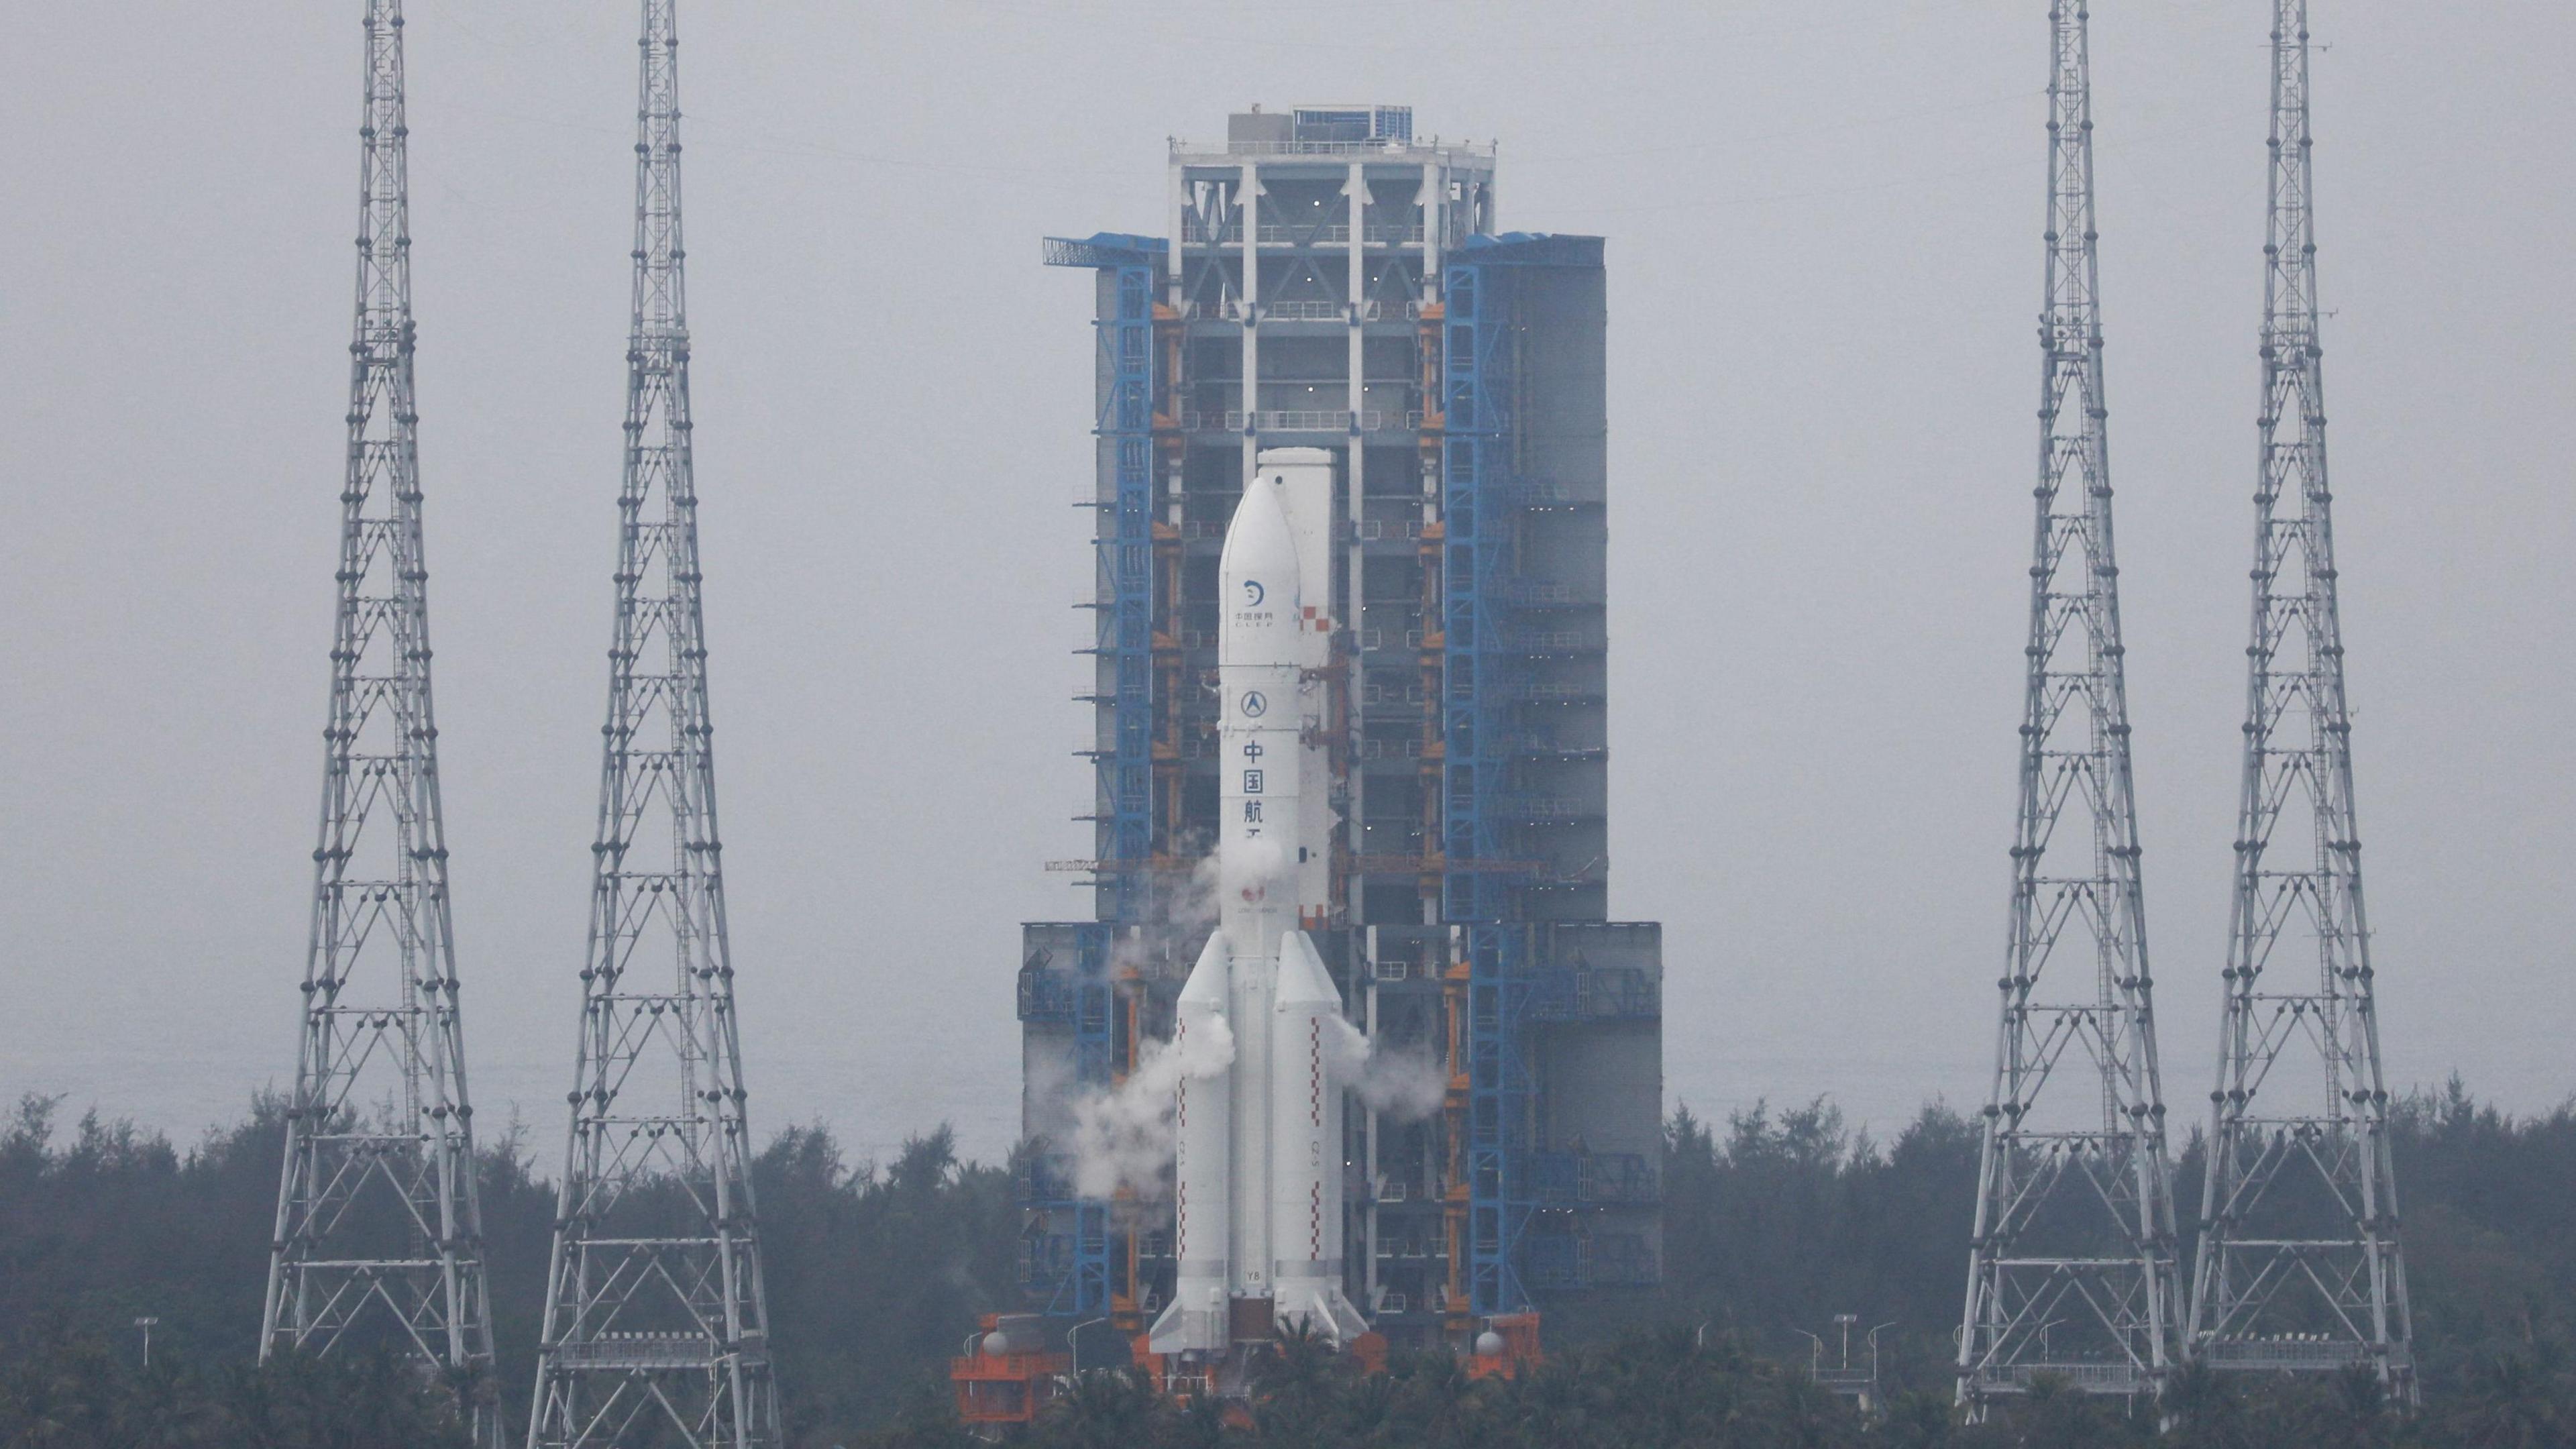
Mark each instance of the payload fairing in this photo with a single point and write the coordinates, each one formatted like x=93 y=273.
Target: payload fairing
x=1258 y=1110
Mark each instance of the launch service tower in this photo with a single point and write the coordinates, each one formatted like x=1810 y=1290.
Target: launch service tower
x=1326 y=287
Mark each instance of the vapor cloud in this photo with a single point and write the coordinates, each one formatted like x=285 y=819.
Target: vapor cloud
x=1404 y=1085
x=1122 y=1138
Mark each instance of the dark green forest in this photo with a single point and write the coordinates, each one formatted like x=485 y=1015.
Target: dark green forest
x=1776 y=1222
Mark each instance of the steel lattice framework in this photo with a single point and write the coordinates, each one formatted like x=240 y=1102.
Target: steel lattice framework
x=656 y=1324
x=379 y=1234
x=2071 y=1270
x=2299 y=1263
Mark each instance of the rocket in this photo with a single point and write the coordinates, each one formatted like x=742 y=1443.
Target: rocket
x=1257 y=1171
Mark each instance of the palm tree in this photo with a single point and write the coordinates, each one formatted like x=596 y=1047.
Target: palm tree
x=1103 y=1409
x=2202 y=1409
x=2508 y=1406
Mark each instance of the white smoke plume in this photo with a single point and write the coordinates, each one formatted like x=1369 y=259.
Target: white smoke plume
x=1252 y=869
x=1188 y=911
x=1123 y=1137
x=1406 y=1086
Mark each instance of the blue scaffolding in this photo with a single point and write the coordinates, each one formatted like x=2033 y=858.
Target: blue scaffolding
x=1065 y=1264
x=1132 y=268
x=1489 y=663
x=1480 y=674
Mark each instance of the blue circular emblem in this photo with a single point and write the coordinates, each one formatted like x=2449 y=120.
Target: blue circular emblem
x=1253 y=593
x=1254 y=706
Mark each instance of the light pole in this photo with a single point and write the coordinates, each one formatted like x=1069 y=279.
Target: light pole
x=146 y=1325
x=1869 y=1401
x=1073 y=1339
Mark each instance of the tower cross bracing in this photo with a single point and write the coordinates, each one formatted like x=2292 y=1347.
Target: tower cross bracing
x=656 y=1323
x=2071 y=1269
x=379 y=1237
x=2299 y=1262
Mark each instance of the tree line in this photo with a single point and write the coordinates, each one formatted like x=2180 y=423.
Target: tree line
x=1780 y=1220
x=1675 y=1388
x=1776 y=1221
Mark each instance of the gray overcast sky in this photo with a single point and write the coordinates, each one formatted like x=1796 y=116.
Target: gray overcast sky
x=1824 y=247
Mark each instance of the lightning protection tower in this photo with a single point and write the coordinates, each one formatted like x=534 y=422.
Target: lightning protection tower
x=2299 y=1264
x=656 y=1323
x=379 y=1237
x=2071 y=1270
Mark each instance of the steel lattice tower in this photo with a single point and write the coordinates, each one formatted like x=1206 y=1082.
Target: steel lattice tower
x=656 y=1322
x=379 y=1234
x=2299 y=1263
x=2071 y=1270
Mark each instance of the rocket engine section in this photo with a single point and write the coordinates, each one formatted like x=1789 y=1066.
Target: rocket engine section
x=1258 y=1141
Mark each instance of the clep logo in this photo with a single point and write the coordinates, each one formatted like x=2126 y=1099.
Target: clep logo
x=1254 y=706
x=1253 y=593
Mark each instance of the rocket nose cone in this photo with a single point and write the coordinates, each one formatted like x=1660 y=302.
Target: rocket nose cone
x=1302 y=977
x=1208 y=980
x=1258 y=572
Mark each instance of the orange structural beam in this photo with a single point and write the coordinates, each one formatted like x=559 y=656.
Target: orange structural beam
x=1005 y=1388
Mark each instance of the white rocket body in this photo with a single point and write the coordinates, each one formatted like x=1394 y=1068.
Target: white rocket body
x=1258 y=1142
